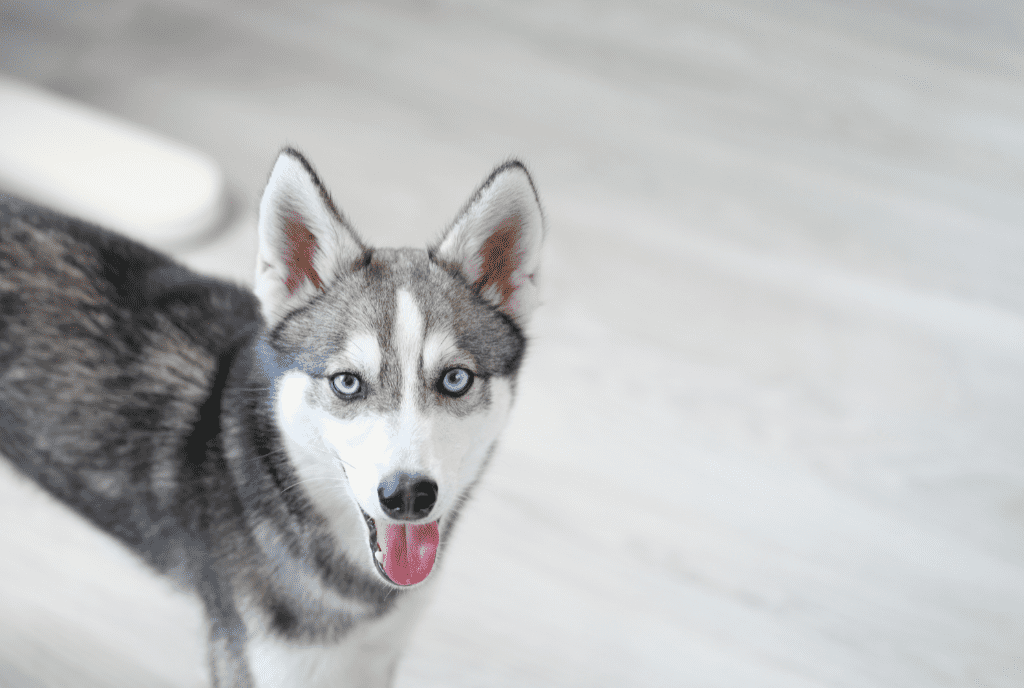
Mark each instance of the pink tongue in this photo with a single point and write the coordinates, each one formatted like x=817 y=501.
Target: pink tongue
x=410 y=551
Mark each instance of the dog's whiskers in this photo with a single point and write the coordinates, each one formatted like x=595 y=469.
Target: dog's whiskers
x=314 y=480
x=269 y=453
x=331 y=456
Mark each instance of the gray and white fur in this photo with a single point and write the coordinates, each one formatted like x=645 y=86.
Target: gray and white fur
x=295 y=458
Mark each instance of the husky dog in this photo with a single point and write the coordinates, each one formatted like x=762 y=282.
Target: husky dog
x=297 y=458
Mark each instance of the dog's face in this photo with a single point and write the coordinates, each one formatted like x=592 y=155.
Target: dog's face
x=398 y=366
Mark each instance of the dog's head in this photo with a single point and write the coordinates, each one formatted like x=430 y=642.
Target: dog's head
x=397 y=365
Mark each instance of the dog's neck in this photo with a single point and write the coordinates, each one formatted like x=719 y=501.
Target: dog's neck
x=288 y=525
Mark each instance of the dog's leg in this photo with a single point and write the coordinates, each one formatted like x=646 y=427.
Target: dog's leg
x=228 y=668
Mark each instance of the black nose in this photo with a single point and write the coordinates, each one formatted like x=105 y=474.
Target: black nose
x=407 y=497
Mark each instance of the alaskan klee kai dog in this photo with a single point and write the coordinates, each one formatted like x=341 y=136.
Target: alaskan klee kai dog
x=297 y=458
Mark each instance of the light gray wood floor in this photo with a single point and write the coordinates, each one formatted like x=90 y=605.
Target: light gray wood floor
x=770 y=431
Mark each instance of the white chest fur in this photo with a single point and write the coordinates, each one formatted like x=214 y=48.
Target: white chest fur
x=365 y=658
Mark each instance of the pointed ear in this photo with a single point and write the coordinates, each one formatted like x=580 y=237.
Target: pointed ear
x=495 y=242
x=304 y=242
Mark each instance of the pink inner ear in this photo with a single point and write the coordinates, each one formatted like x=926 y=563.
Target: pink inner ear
x=501 y=255
x=299 y=248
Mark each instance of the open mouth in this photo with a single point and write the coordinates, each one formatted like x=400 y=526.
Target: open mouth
x=405 y=555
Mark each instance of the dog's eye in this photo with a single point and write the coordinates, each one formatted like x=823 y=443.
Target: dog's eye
x=346 y=385
x=455 y=382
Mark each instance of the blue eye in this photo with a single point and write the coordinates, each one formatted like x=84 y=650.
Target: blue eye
x=455 y=382
x=346 y=385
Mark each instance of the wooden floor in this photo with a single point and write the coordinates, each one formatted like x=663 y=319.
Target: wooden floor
x=771 y=427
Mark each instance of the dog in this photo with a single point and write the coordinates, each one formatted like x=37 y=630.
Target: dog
x=296 y=456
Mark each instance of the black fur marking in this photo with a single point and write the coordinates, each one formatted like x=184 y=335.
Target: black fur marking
x=283 y=618
x=11 y=304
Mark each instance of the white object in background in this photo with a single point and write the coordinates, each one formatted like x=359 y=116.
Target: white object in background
x=85 y=163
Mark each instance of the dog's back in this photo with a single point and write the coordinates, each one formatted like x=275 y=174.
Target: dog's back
x=108 y=354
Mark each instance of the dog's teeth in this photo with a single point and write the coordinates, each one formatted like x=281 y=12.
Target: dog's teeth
x=379 y=556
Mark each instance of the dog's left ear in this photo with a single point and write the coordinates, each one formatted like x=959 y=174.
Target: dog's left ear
x=496 y=240
x=304 y=242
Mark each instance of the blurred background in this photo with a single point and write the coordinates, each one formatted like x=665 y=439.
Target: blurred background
x=770 y=431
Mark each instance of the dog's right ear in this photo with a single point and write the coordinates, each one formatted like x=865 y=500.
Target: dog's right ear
x=304 y=242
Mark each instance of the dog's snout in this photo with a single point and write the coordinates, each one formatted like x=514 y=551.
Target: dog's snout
x=407 y=497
